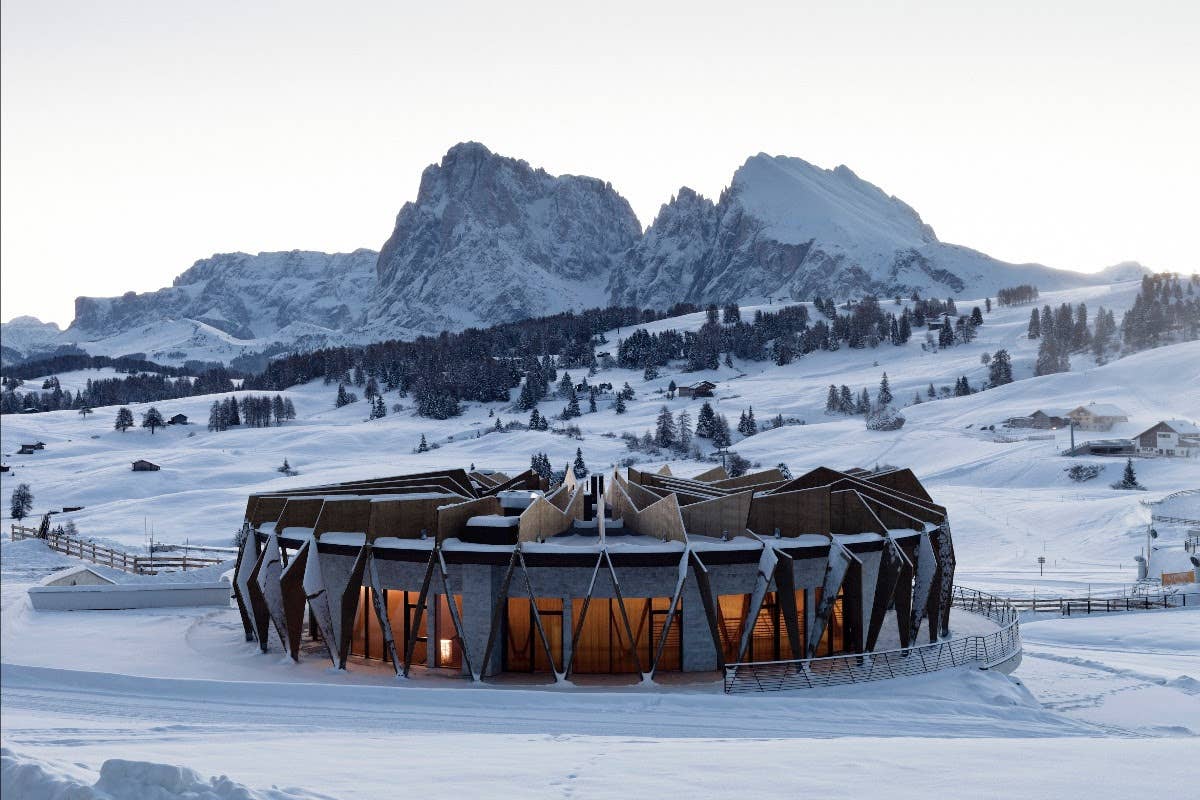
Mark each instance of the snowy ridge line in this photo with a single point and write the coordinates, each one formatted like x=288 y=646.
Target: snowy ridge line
x=998 y=649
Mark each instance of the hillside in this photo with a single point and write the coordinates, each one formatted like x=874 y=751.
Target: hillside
x=1007 y=500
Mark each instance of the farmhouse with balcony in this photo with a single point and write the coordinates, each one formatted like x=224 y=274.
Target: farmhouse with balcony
x=1171 y=437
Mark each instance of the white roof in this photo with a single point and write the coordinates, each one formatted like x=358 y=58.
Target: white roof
x=1181 y=426
x=1103 y=410
x=55 y=577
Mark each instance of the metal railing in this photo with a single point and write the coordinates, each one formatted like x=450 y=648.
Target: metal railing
x=983 y=651
x=109 y=557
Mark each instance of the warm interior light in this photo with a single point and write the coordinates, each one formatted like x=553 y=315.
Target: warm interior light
x=445 y=649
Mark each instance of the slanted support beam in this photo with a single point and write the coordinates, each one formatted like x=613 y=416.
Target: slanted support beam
x=709 y=604
x=785 y=592
x=767 y=561
x=835 y=574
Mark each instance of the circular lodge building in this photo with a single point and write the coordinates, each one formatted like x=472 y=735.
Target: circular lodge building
x=483 y=574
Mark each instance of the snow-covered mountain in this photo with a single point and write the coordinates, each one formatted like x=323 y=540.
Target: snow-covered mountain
x=248 y=297
x=786 y=228
x=491 y=239
x=23 y=335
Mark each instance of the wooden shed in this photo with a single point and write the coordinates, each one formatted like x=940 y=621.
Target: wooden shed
x=142 y=465
x=178 y=419
x=698 y=389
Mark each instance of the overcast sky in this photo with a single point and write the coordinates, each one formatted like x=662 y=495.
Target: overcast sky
x=141 y=136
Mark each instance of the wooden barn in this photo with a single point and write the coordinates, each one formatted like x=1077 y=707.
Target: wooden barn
x=178 y=419
x=142 y=465
x=699 y=389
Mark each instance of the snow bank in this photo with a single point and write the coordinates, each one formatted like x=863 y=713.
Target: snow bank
x=25 y=776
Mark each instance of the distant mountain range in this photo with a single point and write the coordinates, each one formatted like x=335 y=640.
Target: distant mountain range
x=491 y=239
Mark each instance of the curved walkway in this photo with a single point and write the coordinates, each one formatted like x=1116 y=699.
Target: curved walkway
x=1000 y=649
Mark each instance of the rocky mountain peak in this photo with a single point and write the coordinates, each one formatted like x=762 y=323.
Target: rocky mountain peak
x=491 y=239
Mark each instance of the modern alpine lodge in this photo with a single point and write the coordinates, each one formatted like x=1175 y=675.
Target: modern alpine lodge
x=642 y=573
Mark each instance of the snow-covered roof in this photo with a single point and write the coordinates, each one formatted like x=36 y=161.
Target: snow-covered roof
x=1182 y=426
x=71 y=576
x=1101 y=410
x=342 y=537
x=493 y=521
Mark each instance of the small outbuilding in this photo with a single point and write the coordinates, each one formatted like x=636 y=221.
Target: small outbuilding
x=27 y=450
x=77 y=576
x=698 y=389
x=178 y=419
x=142 y=465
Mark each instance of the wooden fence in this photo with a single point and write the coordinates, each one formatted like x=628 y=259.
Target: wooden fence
x=1066 y=606
x=117 y=559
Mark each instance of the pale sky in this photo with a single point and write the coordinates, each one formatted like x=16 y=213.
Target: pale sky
x=141 y=136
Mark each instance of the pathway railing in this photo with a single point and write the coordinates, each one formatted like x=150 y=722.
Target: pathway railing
x=109 y=557
x=985 y=651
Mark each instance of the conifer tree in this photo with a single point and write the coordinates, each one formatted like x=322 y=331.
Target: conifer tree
x=845 y=400
x=572 y=409
x=863 y=406
x=1000 y=368
x=885 y=392
x=705 y=420
x=683 y=426
x=720 y=433
x=832 y=403
x=592 y=401
x=216 y=421
x=535 y=420
x=21 y=502
x=581 y=470
x=1035 y=324
x=619 y=405
x=423 y=446
x=1128 y=478
x=665 y=434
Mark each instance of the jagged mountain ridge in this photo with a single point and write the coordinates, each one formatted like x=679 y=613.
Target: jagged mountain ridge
x=785 y=228
x=491 y=239
x=246 y=296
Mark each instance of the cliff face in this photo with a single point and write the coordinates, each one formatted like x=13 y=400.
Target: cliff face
x=491 y=239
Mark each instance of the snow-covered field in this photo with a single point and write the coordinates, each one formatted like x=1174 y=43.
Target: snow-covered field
x=1092 y=699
